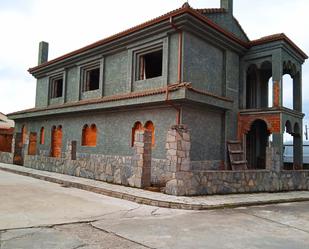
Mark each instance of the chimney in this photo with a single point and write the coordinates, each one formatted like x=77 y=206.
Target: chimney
x=227 y=5
x=43 y=52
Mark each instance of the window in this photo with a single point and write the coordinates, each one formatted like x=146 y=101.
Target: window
x=150 y=64
x=56 y=87
x=42 y=136
x=137 y=126
x=89 y=135
x=91 y=79
x=150 y=127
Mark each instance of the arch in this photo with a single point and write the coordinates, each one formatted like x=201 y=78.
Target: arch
x=136 y=127
x=149 y=126
x=89 y=135
x=256 y=143
x=42 y=135
x=296 y=130
x=288 y=127
x=23 y=134
x=56 y=141
x=287 y=91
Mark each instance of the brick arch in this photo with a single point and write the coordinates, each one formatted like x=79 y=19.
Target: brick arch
x=150 y=126
x=136 y=127
x=56 y=141
x=89 y=135
x=268 y=125
x=245 y=122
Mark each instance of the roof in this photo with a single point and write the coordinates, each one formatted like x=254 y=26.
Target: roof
x=184 y=9
x=198 y=13
x=278 y=37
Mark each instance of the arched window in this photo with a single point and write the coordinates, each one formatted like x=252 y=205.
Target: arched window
x=89 y=135
x=23 y=134
x=42 y=136
x=149 y=126
x=56 y=144
x=137 y=126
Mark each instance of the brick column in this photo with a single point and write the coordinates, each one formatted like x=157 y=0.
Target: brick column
x=178 y=146
x=141 y=173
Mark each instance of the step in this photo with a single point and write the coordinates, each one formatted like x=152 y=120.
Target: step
x=236 y=151
x=239 y=162
x=233 y=142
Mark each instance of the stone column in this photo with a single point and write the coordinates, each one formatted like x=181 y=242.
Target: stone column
x=13 y=144
x=141 y=177
x=278 y=145
x=298 y=152
x=178 y=146
x=273 y=159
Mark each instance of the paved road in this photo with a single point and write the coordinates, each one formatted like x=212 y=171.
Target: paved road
x=35 y=214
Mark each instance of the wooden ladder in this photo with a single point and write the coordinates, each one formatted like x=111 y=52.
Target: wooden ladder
x=236 y=155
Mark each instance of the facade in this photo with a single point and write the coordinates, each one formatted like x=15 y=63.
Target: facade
x=180 y=101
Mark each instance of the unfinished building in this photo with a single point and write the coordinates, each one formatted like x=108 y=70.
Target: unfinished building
x=180 y=101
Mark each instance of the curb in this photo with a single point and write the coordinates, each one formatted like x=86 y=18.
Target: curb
x=149 y=201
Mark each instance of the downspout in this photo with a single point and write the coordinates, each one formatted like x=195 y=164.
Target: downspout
x=178 y=109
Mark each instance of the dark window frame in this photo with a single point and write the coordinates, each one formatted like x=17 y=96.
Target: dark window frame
x=56 y=86
x=87 y=84
x=142 y=63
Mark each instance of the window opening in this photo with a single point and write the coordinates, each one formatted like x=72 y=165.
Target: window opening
x=92 y=79
x=150 y=65
x=56 y=88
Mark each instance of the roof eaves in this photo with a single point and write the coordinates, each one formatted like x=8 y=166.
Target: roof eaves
x=278 y=37
x=179 y=11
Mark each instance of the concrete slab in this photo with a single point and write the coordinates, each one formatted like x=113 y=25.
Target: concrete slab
x=27 y=202
x=159 y=199
x=216 y=229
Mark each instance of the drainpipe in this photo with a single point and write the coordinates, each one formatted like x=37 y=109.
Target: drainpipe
x=178 y=109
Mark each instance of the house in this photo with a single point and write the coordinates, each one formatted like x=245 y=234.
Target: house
x=180 y=101
x=6 y=134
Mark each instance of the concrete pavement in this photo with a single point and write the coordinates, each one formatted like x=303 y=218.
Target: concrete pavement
x=159 y=199
x=36 y=214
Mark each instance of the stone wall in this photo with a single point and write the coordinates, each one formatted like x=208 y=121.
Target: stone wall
x=6 y=157
x=229 y=182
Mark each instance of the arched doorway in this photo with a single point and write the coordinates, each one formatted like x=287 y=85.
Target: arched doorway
x=56 y=143
x=257 y=140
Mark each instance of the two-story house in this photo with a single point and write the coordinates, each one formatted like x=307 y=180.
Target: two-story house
x=190 y=72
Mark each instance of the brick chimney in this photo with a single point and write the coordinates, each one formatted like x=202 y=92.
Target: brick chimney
x=227 y=5
x=43 y=52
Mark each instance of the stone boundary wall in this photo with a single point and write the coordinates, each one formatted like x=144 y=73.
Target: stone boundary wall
x=112 y=169
x=229 y=182
x=207 y=165
x=6 y=157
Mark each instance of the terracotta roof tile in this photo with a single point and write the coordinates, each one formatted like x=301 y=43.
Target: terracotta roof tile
x=182 y=10
x=278 y=37
x=132 y=95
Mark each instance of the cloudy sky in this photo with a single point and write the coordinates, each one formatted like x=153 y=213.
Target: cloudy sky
x=70 y=24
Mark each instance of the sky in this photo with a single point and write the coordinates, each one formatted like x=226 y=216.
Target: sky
x=70 y=24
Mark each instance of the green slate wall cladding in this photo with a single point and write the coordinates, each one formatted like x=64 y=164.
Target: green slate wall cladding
x=205 y=127
x=203 y=64
x=114 y=130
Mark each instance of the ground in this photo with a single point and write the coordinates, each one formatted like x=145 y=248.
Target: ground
x=36 y=214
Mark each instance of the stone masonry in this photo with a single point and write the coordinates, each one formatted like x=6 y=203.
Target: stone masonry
x=141 y=177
